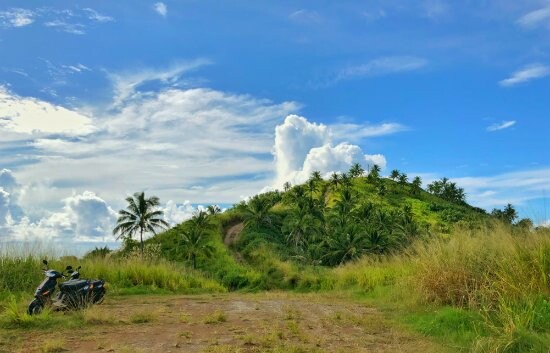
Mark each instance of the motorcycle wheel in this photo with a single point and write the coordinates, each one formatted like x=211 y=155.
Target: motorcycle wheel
x=35 y=307
x=99 y=297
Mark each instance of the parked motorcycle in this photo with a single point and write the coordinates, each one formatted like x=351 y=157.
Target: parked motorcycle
x=74 y=293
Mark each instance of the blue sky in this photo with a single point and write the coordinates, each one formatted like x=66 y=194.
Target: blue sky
x=224 y=99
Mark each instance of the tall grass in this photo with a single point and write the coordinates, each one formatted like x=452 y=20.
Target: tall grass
x=500 y=275
x=19 y=275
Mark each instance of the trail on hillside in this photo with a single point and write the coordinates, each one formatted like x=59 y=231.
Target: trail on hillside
x=234 y=322
x=232 y=234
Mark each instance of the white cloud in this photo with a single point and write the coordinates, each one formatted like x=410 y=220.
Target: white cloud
x=84 y=218
x=176 y=213
x=517 y=188
x=501 y=126
x=306 y=16
x=535 y=18
x=383 y=66
x=126 y=84
x=30 y=116
x=355 y=132
x=197 y=144
x=302 y=147
x=96 y=16
x=72 y=28
x=161 y=8
x=16 y=17
x=527 y=73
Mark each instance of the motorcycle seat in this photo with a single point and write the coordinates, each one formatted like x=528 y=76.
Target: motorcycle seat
x=74 y=284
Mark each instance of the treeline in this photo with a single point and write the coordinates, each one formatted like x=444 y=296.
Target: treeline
x=314 y=232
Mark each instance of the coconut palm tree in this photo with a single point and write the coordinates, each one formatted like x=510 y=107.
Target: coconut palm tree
x=213 y=209
x=287 y=186
x=316 y=175
x=356 y=170
x=334 y=180
x=374 y=173
x=395 y=174
x=194 y=240
x=402 y=179
x=141 y=215
x=257 y=212
x=416 y=185
x=348 y=243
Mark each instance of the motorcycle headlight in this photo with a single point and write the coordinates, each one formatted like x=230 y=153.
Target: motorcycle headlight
x=106 y=285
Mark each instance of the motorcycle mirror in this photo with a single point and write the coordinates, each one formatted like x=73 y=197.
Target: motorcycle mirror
x=45 y=262
x=78 y=268
x=68 y=268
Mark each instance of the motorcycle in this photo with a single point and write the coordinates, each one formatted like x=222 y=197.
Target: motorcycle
x=75 y=293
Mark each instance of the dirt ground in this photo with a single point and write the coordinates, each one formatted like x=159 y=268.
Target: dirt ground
x=271 y=322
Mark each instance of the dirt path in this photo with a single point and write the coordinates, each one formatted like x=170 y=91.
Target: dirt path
x=232 y=234
x=227 y=323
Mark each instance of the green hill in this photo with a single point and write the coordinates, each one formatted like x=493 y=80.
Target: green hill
x=282 y=239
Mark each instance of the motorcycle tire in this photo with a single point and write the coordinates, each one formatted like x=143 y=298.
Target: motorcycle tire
x=99 y=297
x=35 y=307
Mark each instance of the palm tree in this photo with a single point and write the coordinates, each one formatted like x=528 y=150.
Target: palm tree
x=287 y=186
x=395 y=174
x=345 y=181
x=213 y=209
x=348 y=244
x=374 y=173
x=356 y=170
x=194 y=240
x=416 y=185
x=256 y=212
x=335 y=179
x=299 y=228
x=143 y=215
x=402 y=179
x=316 y=175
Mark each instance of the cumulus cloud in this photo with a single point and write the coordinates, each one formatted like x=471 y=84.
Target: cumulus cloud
x=30 y=116
x=9 y=197
x=195 y=144
x=16 y=17
x=83 y=218
x=501 y=126
x=161 y=8
x=175 y=213
x=527 y=73
x=302 y=147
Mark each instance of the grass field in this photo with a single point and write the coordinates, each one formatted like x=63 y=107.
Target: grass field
x=473 y=291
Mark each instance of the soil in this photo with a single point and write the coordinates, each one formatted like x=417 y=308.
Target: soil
x=268 y=322
x=232 y=234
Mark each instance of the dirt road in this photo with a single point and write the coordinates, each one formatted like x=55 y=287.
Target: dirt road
x=268 y=322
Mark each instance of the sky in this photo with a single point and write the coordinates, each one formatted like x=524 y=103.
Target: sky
x=209 y=102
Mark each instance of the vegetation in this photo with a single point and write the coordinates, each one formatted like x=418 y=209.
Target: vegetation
x=476 y=281
x=143 y=215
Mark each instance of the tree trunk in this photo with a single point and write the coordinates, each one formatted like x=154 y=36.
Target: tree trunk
x=141 y=238
x=194 y=258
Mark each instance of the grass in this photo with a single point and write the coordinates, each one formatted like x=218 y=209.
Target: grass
x=143 y=317
x=53 y=345
x=19 y=276
x=216 y=317
x=484 y=290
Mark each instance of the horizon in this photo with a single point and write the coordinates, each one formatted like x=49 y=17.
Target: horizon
x=206 y=103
